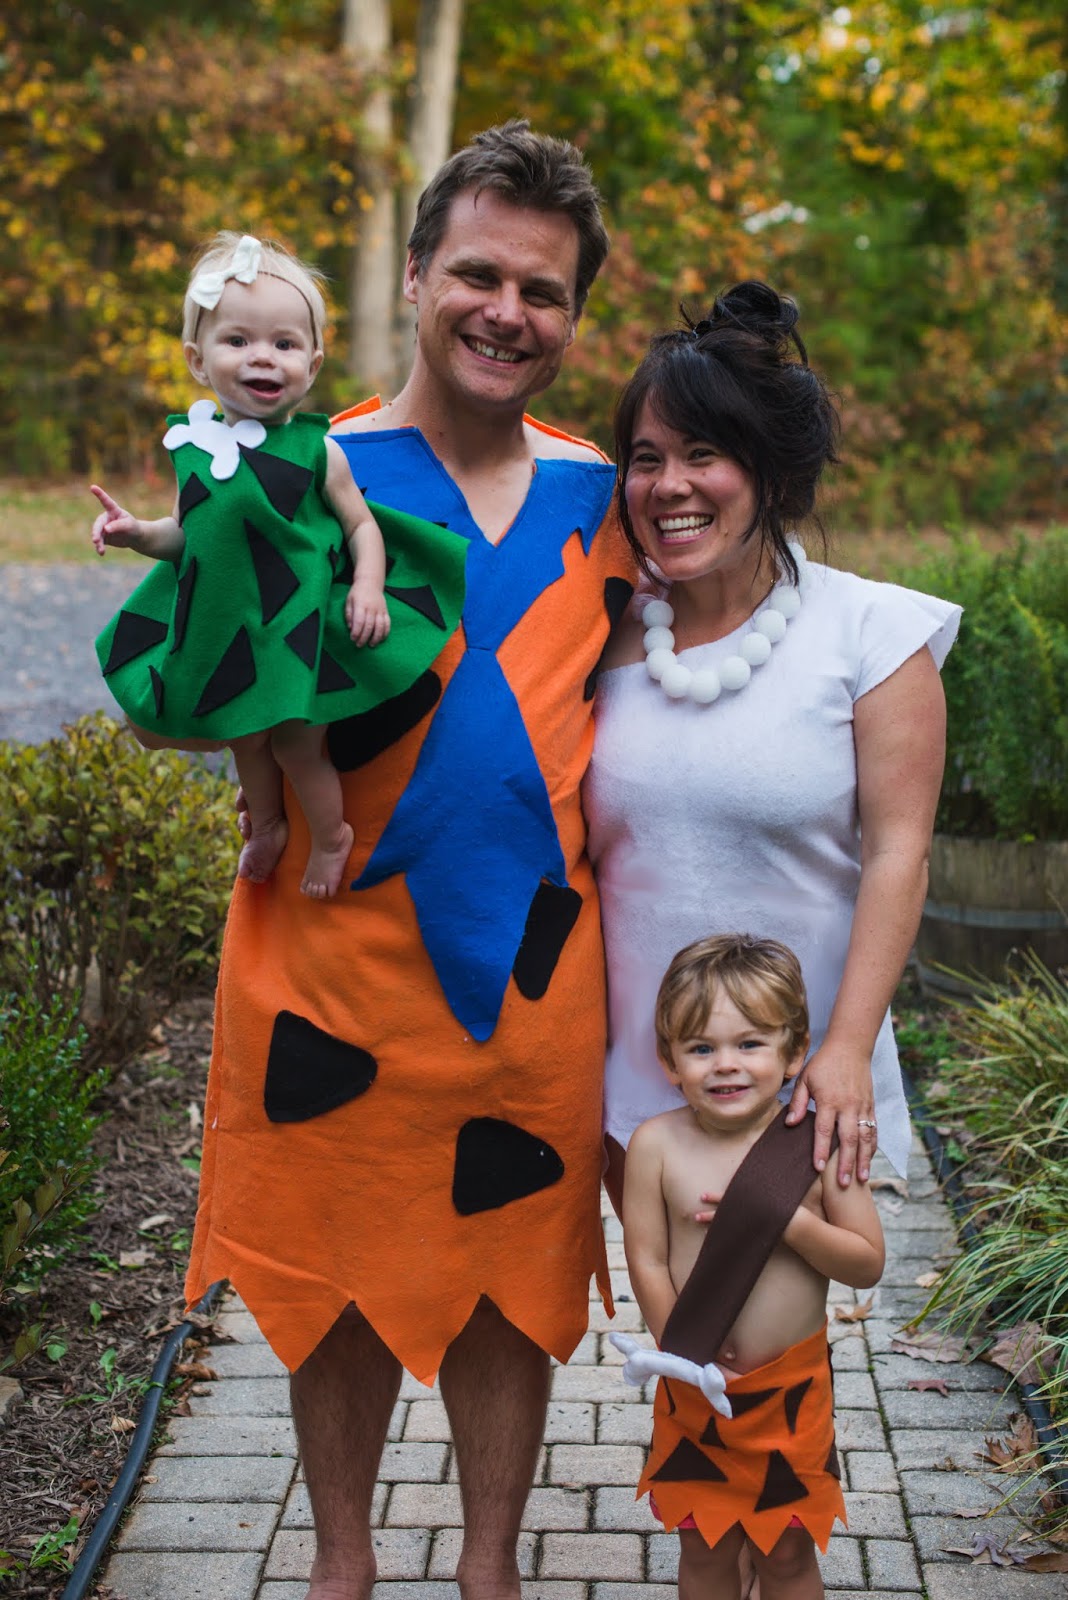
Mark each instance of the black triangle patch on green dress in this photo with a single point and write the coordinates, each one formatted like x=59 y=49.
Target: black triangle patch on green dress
x=235 y=673
x=276 y=578
x=285 y=483
x=134 y=634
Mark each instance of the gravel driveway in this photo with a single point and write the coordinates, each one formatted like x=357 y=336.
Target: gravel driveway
x=49 y=617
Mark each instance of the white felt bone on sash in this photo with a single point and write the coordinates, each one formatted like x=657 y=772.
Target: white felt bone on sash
x=642 y=1364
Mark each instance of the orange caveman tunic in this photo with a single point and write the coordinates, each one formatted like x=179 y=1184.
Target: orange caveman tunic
x=404 y=1102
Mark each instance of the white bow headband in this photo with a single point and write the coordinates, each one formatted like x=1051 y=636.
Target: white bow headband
x=207 y=287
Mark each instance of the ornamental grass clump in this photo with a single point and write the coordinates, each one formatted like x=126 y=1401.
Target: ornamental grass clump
x=1006 y=684
x=1006 y=1087
x=116 y=865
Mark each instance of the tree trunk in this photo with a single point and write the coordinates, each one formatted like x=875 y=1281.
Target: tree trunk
x=431 y=104
x=373 y=289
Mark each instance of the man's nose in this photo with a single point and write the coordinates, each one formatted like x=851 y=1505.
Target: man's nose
x=505 y=307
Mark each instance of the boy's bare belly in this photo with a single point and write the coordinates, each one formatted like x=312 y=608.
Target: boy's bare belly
x=789 y=1299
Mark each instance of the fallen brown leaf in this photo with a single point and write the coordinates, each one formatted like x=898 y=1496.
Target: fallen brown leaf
x=1047 y=1561
x=932 y=1347
x=1024 y=1351
x=122 y=1425
x=132 y=1258
x=196 y=1369
x=967 y=1516
x=927 y=1280
x=1016 y=1451
x=857 y=1313
x=923 y=1384
x=896 y=1185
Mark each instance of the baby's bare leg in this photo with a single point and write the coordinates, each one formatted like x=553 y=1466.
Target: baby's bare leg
x=790 y=1571
x=159 y=741
x=709 y=1573
x=299 y=751
x=261 y=780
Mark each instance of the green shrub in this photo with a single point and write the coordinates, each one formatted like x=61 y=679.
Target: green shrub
x=46 y=1131
x=1006 y=683
x=116 y=865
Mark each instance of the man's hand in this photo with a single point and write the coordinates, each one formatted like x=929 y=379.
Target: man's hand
x=365 y=613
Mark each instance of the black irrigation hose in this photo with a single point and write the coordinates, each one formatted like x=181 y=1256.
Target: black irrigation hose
x=1052 y=1437
x=140 y=1442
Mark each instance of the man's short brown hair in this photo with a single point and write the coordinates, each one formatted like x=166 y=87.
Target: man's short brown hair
x=760 y=976
x=527 y=169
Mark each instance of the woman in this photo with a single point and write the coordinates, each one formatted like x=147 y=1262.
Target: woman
x=770 y=736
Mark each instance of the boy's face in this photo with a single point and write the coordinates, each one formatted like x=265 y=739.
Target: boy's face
x=733 y=1069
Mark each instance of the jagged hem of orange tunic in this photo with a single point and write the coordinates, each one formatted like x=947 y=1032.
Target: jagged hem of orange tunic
x=355 y=1204
x=774 y=1460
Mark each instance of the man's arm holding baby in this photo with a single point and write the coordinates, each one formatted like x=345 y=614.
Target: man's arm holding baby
x=841 y=1237
x=645 y=1229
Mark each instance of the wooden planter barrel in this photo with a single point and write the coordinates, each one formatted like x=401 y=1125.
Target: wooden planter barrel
x=986 y=899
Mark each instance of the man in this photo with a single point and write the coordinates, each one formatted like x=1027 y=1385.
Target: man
x=402 y=1157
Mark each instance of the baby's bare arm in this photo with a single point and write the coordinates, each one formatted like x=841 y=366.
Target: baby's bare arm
x=162 y=540
x=846 y=1241
x=365 y=605
x=645 y=1229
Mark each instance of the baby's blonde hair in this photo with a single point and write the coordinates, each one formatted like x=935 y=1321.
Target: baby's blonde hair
x=275 y=262
x=760 y=976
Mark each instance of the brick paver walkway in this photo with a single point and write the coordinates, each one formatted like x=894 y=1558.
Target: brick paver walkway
x=223 y=1514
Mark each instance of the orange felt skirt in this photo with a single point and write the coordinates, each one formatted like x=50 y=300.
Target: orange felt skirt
x=772 y=1462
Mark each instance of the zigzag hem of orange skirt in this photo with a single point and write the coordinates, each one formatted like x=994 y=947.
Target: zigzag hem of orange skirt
x=773 y=1461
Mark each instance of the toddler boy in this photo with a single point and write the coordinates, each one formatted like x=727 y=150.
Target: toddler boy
x=731 y=1238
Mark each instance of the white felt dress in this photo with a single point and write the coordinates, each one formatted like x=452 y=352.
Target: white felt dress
x=741 y=817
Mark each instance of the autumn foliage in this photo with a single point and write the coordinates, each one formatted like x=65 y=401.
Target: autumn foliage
x=897 y=166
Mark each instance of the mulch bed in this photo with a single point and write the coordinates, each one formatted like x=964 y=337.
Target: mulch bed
x=63 y=1444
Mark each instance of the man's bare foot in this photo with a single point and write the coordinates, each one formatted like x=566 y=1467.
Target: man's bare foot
x=355 y=1584
x=260 y=855
x=322 y=875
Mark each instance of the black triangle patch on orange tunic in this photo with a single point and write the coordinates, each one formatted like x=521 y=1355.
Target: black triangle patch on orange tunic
x=782 y=1486
x=688 y=1464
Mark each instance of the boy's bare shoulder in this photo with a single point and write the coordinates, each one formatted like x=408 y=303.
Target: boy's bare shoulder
x=661 y=1129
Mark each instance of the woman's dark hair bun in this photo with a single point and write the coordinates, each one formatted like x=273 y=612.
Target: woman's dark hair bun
x=755 y=308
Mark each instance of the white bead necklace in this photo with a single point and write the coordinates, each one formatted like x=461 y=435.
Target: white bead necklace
x=705 y=684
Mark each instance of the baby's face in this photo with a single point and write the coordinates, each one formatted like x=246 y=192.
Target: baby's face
x=732 y=1069
x=256 y=350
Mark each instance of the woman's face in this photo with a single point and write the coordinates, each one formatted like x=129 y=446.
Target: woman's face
x=689 y=504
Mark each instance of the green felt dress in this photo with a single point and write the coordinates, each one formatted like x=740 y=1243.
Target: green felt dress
x=248 y=629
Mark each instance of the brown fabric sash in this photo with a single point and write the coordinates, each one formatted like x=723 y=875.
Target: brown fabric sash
x=758 y=1203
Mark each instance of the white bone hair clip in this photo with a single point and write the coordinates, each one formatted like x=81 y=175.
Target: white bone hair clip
x=642 y=1363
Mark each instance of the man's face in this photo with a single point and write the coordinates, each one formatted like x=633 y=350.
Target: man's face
x=496 y=303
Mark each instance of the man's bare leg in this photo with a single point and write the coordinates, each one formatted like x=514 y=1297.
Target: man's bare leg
x=342 y=1398
x=495 y=1384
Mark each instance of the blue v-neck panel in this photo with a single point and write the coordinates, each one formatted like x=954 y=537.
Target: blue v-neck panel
x=473 y=884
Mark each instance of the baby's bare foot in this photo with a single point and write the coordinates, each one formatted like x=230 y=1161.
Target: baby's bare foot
x=322 y=875
x=260 y=855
